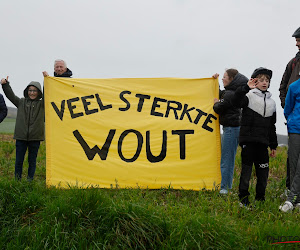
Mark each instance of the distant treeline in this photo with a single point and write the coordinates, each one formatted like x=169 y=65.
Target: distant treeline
x=12 y=112
x=282 y=139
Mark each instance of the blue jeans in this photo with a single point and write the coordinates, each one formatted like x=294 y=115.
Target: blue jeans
x=229 y=144
x=21 y=148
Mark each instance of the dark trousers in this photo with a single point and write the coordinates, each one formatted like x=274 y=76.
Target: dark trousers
x=21 y=148
x=288 y=180
x=258 y=154
x=294 y=163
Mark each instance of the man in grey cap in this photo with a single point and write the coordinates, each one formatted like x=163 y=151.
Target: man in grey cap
x=291 y=74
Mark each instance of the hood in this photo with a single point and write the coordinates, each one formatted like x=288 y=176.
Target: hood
x=35 y=84
x=238 y=80
x=68 y=73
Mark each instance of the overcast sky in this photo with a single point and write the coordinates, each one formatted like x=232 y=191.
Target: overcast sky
x=139 y=38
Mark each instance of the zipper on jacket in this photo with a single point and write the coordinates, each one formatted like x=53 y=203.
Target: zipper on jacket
x=29 y=121
x=265 y=105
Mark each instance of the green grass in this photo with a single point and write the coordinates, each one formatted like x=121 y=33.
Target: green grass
x=35 y=217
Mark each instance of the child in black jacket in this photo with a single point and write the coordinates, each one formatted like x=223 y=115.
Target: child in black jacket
x=257 y=133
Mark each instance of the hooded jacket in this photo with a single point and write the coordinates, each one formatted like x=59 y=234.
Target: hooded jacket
x=3 y=108
x=68 y=73
x=30 y=124
x=292 y=108
x=229 y=115
x=258 y=116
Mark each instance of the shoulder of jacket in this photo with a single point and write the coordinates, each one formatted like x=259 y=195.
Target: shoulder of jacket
x=274 y=103
x=251 y=93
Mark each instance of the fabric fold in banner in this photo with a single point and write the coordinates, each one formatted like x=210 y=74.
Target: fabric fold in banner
x=146 y=133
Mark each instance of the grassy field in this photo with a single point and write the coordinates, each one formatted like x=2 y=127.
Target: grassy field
x=35 y=217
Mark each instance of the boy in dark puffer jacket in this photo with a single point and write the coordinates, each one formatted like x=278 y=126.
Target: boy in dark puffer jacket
x=257 y=133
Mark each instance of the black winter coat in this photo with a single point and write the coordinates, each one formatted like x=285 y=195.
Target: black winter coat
x=258 y=116
x=229 y=115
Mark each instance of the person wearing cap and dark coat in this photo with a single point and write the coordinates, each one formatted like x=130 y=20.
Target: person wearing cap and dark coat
x=291 y=74
x=292 y=71
x=60 y=69
x=30 y=127
x=257 y=133
x=229 y=117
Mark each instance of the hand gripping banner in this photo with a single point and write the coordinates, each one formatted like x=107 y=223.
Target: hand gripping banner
x=137 y=133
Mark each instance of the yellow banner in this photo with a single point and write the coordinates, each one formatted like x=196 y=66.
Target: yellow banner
x=146 y=133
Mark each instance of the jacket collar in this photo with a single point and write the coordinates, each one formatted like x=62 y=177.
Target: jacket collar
x=261 y=93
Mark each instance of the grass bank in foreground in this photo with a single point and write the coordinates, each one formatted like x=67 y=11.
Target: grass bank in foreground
x=34 y=217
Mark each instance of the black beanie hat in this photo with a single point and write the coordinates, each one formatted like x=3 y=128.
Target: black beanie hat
x=262 y=70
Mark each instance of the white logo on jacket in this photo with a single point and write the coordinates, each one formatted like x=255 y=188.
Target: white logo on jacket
x=261 y=105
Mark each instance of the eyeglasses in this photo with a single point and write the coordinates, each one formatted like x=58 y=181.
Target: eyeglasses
x=32 y=90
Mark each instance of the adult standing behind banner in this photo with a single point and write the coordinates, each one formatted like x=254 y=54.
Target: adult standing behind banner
x=230 y=117
x=291 y=74
x=3 y=108
x=60 y=69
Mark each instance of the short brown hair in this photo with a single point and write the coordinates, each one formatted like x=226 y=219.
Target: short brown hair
x=261 y=75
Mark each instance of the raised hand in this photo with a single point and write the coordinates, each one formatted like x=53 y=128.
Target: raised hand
x=4 y=81
x=252 y=83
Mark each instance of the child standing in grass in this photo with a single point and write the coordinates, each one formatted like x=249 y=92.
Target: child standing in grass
x=3 y=108
x=29 y=129
x=292 y=115
x=257 y=133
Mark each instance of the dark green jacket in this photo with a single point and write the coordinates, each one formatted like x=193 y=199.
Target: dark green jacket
x=30 y=125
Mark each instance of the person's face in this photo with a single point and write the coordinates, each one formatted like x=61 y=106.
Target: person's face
x=263 y=83
x=226 y=80
x=298 y=43
x=59 y=68
x=33 y=92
